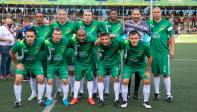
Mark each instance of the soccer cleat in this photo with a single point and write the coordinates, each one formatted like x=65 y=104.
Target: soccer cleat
x=100 y=103
x=146 y=105
x=106 y=95
x=57 y=94
x=117 y=104
x=95 y=95
x=17 y=104
x=136 y=96
x=80 y=96
x=66 y=102
x=169 y=98
x=74 y=101
x=91 y=101
x=41 y=102
x=48 y=102
x=157 y=96
x=32 y=97
x=124 y=104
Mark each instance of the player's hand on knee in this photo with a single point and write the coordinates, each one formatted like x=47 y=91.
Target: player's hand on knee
x=20 y=66
x=148 y=74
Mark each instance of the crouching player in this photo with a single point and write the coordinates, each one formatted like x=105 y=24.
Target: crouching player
x=109 y=62
x=136 y=51
x=56 y=48
x=27 y=61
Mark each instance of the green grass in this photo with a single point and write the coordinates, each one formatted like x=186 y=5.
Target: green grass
x=184 y=90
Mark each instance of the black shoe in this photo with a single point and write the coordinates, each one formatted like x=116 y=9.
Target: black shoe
x=169 y=98
x=106 y=95
x=117 y=104
x=100 y=103
x=136 y=96
x=17 y=104
x=80 y=95
x=95 y=95
x=41 y=102
x=57 y=95
x=124 y=104
x=157 y=96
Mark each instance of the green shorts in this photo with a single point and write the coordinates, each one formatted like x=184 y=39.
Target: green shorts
x=35 y=69
x=128 y=71
x=80 y=72
x=161 y=64
x=113 y=71
x=61 y=71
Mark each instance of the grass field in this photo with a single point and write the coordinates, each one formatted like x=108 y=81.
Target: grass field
x=184 y=90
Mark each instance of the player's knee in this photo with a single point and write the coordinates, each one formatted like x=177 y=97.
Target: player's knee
x=125 y=81
x=116 y=79
x=71 y=73
x=50 y=82
x=65 y=82
x=40 y=79
x=18 y=79
x=100 y=79
x=147 y=82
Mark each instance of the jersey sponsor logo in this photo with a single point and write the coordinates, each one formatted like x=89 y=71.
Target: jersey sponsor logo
x=133 y=59
x=57 y=58
x=155 y=35
x=30 y=58
x=82 y=54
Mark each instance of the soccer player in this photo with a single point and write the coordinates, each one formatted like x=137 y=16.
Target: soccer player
x=84 y=63
x=92 y=28
x=109 y=62
x=136 y=51
x=114 y=28
x=43 y=32
x=27 y=61
x=136 y=23
x=67 y=28
x=56 y=48
x=162 y=47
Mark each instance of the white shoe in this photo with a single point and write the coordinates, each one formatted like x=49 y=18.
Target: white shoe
x=32 y=97
x=124 y=104
x=146 y=105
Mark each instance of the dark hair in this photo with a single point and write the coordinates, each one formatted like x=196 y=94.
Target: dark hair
x=134 y=32
x=31 y=30
x=112 y=10
x=103 y=34
x=57 y=29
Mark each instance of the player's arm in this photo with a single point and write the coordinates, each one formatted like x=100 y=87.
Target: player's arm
x=12 y=53
x=149 y=61
x=171 y=41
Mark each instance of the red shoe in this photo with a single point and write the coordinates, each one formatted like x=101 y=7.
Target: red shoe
x=91 y=101
x=74 y=101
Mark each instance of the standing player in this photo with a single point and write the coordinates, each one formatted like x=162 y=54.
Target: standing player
x=27 y=61
x=136 y=23
x=67 y=28
x=136 y=52
x=162 y=40
x=109 y=62
x=114 y=28
x=83 y=65
x=56 y=64
x=92 y=28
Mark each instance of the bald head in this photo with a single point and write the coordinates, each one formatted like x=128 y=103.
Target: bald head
x=81 y=35
x=157 y=15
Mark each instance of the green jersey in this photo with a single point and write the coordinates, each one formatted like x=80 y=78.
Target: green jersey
x=44 y=32
x=113 y=27
x=135 y=56
x=67 y=29
x=92 y=29
x=56 y=52
x=83 y=50
x=28 y=54
x=110 y=55
x=161 y=33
